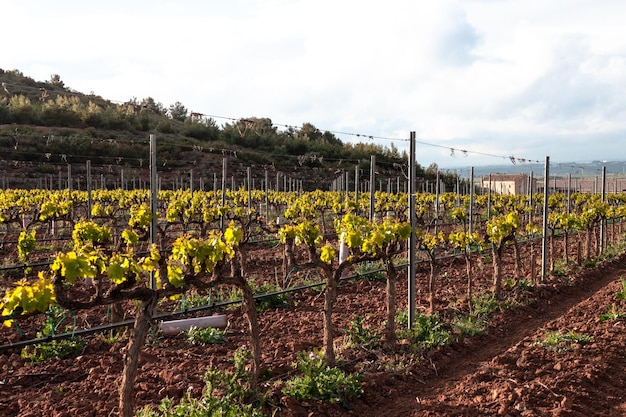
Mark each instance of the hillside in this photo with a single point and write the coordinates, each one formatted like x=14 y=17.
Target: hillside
x=49 y=131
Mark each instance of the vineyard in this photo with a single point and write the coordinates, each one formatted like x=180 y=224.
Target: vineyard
x=315 y=289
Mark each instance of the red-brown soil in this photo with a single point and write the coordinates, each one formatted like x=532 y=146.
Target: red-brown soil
x=501 y=372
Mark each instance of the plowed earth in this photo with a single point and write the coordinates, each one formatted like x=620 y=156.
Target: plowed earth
x=503 y=371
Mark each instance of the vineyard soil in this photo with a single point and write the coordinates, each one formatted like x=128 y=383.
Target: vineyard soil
x=501 y=372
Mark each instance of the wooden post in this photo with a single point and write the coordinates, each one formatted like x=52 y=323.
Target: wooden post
x=224 y=169
x=89 y=200
x=69 y=178
x=153 y=201
x=372 y=185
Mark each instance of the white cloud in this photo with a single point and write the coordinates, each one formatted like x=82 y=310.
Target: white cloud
x=497 y=77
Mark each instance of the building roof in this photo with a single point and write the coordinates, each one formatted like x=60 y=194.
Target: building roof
x=506 y=177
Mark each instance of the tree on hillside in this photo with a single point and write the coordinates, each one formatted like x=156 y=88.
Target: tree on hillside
x=332 y=139
x=205 y=129
x=55 y=80
x=178 y=111
x=432 y=169
x=254 y=132
x=393 y=152
x=152 y=106
x=309 y=132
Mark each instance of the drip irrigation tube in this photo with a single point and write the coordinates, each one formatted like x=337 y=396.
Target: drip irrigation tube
x=129 y=323
x=212 y=306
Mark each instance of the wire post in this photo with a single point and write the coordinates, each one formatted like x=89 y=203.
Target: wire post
x=224 y=172
x=603 y=221
x=153 y=201
x=89 y=198
x=544 y=241
x=437 y=202
x=471 y=204
x=569 y=192
x=69 y=178
x=346 y=186
x=372 y=185
x=411 y=244
x=530 y=196
x=267 y=197
x=356 y=186
x=249 y=178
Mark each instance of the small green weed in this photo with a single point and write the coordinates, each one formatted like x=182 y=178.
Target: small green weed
x=192 y=299
x=225 y=294
x=612 y=251
x=613 y=313
x=402 y=317
x=64 y=348
x=427 y=331
x=113 y=336
x=523 y=284
x=321 y=382
x=268 y=300
x=469 y=325
x=371 y=271
x=561 y=268
x=590 y=263
x=225 y=395
x=55 y=316
x=562 y=342
x=621 y=295
x=206 y=336
x=484 y=305
x=358 y=335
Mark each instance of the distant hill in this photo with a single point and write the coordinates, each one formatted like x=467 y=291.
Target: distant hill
x=576 y=169
x=49 y=131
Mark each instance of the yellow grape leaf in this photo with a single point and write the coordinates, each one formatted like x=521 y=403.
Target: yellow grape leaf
x=130 y=237
x=30 y=298
x=328 y=253
x=150 y=262
x=404 y=231
x=116 y=273
x=97 y=210
x=72 y=266
x=352 y=239
x=175 y=275
x=233 y=235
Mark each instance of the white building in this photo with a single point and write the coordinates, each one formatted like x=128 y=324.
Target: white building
x=509 y=184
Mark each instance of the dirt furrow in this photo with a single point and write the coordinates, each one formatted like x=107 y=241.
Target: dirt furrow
x=456 y=381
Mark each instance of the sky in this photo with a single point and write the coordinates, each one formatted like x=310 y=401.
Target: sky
x=480 y=82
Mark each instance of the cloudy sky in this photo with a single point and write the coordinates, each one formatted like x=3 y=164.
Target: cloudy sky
x=478 y=81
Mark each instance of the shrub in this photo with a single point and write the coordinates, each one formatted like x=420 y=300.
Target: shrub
x=469 y=326
x=427 y=331
x=372 y=271
x=560 y=342
x=321 y=382
x=225 y=395
x=269 y=300
x=358 y=335
x=63 y=348
x=55 y=349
